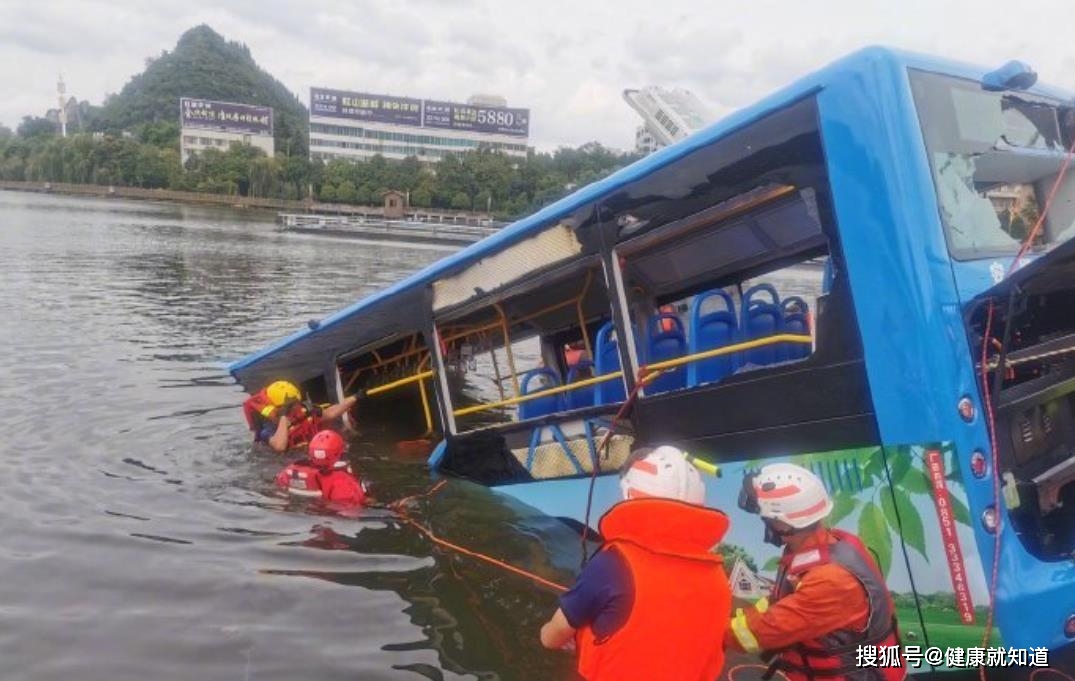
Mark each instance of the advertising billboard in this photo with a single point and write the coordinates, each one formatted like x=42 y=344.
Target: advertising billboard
x=361 y=106
x=424 y=113
x=228 y=116
x=489 y=119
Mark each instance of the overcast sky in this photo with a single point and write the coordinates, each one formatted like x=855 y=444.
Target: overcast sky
x=568 y=61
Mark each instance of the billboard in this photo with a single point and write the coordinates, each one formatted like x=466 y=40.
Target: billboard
x=227 y=116
x=365 y=107
x=489 y=119
x=423 y=113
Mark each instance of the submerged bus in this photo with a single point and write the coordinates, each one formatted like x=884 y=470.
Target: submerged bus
x=824 y=277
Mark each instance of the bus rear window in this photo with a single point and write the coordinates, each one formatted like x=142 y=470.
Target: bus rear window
x=994 y=158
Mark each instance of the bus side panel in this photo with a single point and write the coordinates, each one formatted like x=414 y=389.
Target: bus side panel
x=926 y=508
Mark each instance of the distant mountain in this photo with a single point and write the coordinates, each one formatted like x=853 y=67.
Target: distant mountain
x=205 y=65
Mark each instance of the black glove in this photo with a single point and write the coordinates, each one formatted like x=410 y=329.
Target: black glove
x=311 y=408
x=287 y=408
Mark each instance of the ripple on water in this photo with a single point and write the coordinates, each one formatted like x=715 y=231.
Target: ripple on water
x=142 y=536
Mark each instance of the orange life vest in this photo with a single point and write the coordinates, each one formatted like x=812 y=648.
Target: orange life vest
x=833 y=657
x=259 y=409
x=682 y=599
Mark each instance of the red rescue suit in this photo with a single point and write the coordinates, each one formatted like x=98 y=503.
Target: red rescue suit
x=682 y=599
x=831 y=656
x=260 y=411
x=337 y=485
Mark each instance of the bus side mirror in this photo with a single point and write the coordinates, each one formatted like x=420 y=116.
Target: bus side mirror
x=1015 y=75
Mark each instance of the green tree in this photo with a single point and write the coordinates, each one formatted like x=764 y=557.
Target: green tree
x=421 y=198
x=34 y=126
x=460 y=201
x=345 y=193
x=327 y=193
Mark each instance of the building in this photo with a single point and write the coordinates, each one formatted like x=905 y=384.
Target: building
x=746 y=584
x=205 y=124
x=668 y=116
x=356 y=125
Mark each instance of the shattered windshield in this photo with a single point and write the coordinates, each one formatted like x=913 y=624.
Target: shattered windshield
x=995 y=156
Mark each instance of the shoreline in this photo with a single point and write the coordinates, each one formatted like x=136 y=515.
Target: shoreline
x=241 y=202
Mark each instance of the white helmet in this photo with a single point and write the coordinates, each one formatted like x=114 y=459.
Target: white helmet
x=665 y=473
x=791 y=494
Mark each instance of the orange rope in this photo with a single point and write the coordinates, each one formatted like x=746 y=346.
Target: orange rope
x=1050 y=670
x=406 y=517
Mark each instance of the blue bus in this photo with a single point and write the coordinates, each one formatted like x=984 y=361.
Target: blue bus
x=869 y=273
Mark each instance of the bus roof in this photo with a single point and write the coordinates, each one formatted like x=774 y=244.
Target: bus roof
x=336 y=333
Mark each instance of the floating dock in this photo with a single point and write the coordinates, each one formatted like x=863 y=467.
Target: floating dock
x=397 y=231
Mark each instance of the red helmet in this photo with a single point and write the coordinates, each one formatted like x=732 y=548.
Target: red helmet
x=326 y=448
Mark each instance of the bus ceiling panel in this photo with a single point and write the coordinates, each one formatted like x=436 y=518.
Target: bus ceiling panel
x=550 y=247
x=1002 y=167
x=773 y=233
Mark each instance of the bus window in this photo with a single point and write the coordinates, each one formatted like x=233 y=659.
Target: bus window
x=730 y=267
x=397 y=374
x=517 y=347
x=995 y=156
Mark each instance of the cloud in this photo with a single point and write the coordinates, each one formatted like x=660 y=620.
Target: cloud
x=567 y=61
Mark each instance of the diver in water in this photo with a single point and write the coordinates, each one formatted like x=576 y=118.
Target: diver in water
x=324 y=474
x=280 y=418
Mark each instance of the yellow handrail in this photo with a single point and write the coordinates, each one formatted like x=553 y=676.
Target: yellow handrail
x=541 y=393
x=400 y=383
x=729 y=349
x=645 y=371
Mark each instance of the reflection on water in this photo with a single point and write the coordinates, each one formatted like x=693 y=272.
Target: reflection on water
x=142 y=538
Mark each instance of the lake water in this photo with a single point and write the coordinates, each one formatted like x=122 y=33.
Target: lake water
x=142 y=537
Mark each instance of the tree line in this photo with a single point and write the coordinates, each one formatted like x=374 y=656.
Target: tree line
x=148 y=156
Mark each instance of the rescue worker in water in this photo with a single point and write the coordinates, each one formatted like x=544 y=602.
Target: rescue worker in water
x=280 y=418
x=829 y=597
x=324 y=474
x=654 y=602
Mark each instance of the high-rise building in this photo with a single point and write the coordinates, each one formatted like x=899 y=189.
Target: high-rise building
x=668 y=115
x=356 y=125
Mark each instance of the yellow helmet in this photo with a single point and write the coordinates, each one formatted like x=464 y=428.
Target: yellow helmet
x=282 y=391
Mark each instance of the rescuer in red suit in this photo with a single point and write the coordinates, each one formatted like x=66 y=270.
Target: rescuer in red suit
x=281 y=419
x=829 y=597
x=324 y=474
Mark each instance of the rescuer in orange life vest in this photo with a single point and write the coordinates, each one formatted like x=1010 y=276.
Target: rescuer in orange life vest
x=829 y=597
x=280 y=418
x=654 y=602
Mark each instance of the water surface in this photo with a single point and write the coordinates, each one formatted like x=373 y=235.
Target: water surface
x=140 y=534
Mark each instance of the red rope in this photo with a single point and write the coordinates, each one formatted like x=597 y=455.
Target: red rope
x=398 y=507
x=986 y=395
x=1045 y=209
x=990 y=420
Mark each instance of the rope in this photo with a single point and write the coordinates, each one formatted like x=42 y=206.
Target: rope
x=991 y=421
x=1044 y=210
x=986 y=393
x=398 y=507
x=644 y=377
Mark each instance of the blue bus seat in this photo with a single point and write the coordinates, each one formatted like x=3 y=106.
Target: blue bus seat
x=550 y=404
x=607 y=360
x=762 y=318
x=795 y=321
x=580 y=397
x=708 y=331
x=663 y=345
